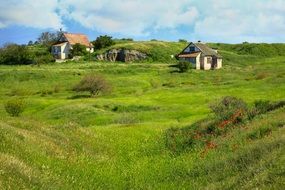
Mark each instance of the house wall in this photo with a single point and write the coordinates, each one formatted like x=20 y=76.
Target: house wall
x=219 y=63
x=91 y=50
x=65 y=50
x=198 y=62
x=207 y=65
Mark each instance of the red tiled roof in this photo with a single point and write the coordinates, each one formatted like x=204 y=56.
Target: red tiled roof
x=77 y=38
x=189 y=55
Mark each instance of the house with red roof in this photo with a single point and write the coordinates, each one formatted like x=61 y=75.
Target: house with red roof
x=62 y=49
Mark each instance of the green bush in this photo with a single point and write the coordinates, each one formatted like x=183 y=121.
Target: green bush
x=103 y=41
x=184 y=66
x=229 y=109
x=93 y=84
x=263 y=106
x=14 y=107
x=182 y=41
x=13 y=54
x=78 y=50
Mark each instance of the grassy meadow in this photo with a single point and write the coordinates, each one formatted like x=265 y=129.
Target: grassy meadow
x=67 y=140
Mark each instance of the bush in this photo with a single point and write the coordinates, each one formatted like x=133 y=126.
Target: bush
x=263 y=106
x=14 y=107
x=93 y=84
x=103 y=42
x=182 y=40
x=184 y=66
x=13 y=54
x=78 y=50
x=229 y=109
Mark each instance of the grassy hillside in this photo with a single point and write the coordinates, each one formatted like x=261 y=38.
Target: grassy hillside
x=157 y=51
x=65 y=140
x=160 y=51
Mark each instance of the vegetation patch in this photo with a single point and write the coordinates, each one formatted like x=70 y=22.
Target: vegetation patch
x=229 y=113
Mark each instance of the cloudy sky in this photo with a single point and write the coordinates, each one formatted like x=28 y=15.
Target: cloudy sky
x=228 y=21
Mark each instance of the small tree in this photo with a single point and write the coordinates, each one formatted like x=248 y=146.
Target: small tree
x=93 y=84
x=182 y=40
x=14 y=107
x=184 y=66
x=13 y=54
x=229 y=108
x=78 y=50
x=103 y=41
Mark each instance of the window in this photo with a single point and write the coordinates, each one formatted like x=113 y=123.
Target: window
x=209 y=59
x=192 y=49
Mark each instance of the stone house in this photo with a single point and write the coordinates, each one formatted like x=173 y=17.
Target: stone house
x=61 y=50
x=201 y=56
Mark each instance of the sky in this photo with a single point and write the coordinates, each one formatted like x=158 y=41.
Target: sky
x=227 y=21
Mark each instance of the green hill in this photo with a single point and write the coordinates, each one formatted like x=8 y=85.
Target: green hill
x=68 y=140
x=160 y=51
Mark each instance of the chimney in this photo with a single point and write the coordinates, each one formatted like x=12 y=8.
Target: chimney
x=199 y=41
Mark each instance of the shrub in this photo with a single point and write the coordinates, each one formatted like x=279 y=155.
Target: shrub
x=93 y=84
x=78 y=50
x=103 y=42
x=184 y=66
x=13 y=54
x=14 y=107
x=263 y=106
x=182 y=40
x=230 y=109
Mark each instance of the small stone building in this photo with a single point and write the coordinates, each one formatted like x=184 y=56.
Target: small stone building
x=201 y=56
x=61 y=50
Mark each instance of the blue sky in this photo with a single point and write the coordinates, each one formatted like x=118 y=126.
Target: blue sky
x=226 y=21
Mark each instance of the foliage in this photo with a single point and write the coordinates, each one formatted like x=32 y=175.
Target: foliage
x=263 y=106
x=13 y=54
x=49 y=38
x=78 y=50
x=184 y=66
x=103 y=42
x=95 y=84
x=14 y=107
x=203 y=132
x=182 y=41
x=229 y=108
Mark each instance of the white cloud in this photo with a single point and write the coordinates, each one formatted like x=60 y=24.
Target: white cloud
x=253 y=20
x=131 y=17
x=212 y=20
x=30 y=13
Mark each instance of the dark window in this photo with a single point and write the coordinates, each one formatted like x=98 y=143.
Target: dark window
x=209 y=60
x=192 y=49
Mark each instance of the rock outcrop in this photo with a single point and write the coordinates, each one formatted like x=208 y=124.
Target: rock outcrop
x=122 y=55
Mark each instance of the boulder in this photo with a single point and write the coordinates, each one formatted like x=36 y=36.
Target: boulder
x=122 y=55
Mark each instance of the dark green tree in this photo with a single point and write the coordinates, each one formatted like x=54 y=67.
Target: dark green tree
x=78 y=50
x=103 y=41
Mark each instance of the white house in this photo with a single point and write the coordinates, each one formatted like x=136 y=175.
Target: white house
x=61 y=50
x=201 y=56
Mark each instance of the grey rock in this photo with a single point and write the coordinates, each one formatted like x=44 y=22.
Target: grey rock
x=122 y=55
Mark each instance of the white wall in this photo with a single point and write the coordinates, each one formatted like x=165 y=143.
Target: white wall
x=207 y=66
x=219 y=63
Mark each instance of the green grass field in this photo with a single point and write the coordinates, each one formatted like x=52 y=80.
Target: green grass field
x=66 y=140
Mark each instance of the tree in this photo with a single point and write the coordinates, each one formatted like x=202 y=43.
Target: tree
x=103 y=41
x=78 y=50
x=13 y=54
x=182 y=40
x=49 y=38
x=93 y=84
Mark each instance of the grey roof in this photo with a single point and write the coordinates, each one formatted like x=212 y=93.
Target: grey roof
x=207 y=50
